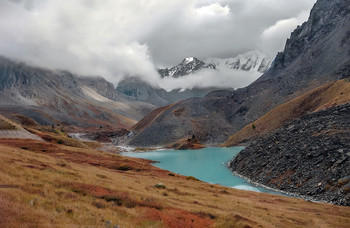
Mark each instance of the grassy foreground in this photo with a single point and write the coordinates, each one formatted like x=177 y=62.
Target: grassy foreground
x=45 y=184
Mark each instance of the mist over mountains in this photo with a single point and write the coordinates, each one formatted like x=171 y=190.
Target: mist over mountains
x=104 y=38
x=234 y=72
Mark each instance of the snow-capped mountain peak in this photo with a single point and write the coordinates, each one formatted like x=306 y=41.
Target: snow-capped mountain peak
x=187 y=66
x=253 y=61
x=188 y=60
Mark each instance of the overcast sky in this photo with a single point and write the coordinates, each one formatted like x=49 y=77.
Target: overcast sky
x=117 y=38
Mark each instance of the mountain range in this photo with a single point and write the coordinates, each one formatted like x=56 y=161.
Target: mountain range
x=51 y=97
x=136 y=89
x=316 y=53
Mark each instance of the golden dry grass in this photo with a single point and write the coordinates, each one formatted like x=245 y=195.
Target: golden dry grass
x=323 y=97
x=43 y=184
x=6 y=124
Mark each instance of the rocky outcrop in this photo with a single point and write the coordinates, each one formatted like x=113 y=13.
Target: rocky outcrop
x=191 y=143
x=310 y=156
x=323 y=57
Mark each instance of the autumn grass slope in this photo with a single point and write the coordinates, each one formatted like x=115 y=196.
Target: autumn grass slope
x=48 y=184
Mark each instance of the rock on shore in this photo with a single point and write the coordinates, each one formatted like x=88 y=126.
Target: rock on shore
x=309 y=156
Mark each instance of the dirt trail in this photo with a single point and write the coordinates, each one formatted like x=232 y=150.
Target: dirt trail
x=11 y=129
x=21 y=134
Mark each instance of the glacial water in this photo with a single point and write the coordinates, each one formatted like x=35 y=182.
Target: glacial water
x=208 y=164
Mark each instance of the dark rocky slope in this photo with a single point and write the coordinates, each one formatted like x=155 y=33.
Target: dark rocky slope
x=317 y=52
x=309 y=156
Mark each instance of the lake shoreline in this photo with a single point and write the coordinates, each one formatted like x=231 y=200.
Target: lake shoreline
x=285 y=193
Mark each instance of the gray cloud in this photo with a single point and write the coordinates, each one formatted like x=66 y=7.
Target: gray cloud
x=242 y=29
x=226 y=78
x=122 y=38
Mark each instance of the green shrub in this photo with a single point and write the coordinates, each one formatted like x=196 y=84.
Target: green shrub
x=191 y=178
x=123 y=167
x=160 y=185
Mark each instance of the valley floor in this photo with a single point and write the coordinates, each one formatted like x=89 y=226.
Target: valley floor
x=45 y=184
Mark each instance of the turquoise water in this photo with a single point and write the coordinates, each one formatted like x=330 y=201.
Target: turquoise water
x=208 y=164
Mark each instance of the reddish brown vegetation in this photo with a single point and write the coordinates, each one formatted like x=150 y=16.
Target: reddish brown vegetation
x=191 y=143
x=177 y=218
x=49 y=184
x=78 y=155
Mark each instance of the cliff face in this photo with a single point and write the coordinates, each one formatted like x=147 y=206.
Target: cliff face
x=317 y=52
x=325 y=17
x=309 y=156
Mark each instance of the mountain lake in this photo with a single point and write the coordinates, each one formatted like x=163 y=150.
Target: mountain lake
x=208 y=165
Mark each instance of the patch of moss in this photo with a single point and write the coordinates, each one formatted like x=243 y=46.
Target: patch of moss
x=191 y=178
x=123 y=168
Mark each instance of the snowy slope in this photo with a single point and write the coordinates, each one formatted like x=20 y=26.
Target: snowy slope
x=253 y=61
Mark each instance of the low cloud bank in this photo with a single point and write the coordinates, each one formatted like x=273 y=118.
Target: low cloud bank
x=118 y=39
x=210 y=78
